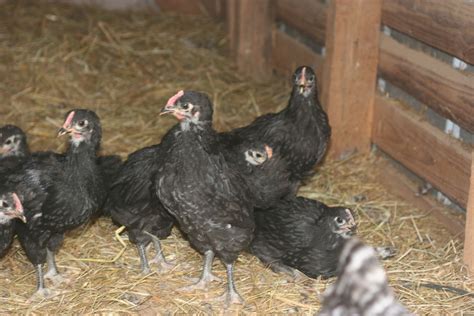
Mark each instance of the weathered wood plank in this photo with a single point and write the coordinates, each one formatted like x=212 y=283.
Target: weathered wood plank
x=181 y=6
x=288 y=53
x=447 y=25
x=350 y=69
x=250 y=25
x=400 y=185
x=307 y=16
x=436 y=157
x=448 y=91
x=215 y=8
x=469 y=232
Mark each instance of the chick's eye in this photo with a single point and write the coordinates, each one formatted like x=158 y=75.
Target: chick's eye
x=258 y=155
x=82 y=123
x=339 y=220
x=8 y=142
x=5 y=204
x=185 y=106
x=311 y=79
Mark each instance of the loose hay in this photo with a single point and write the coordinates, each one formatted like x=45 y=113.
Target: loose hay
x=125 y=66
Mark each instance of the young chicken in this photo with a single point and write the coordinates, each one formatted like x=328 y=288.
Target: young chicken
x=134 y=204
x=300 y=132
x=59 y=193
x=15 y=151
x=208 y=198
x=361 y=287
x=10 y=209
x=302 y=234
x=263 y=170
x=13 y=148
x=13 y=142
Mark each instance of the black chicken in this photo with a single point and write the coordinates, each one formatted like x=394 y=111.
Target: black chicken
x=263 y=170
x=59 y=193
x=10 y=209
x=302 y=234
x=134 y=204
x=361 y=287
x=13 y=148
x=15 y=151
x=208 y=198
x=13 y=142
x=300 y=132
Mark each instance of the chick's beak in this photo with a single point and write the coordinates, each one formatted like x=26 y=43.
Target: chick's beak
x=63 y=131
x=66 y=128
x=350 y=225
x=269 y=151
x=167 y=109
x=170 y=106
x=302 y=84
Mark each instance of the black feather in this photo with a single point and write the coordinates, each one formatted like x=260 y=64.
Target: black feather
x=300 y=132
x=200 y=189
x=302 y=234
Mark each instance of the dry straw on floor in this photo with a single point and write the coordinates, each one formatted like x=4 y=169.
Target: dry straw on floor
x=124 y=66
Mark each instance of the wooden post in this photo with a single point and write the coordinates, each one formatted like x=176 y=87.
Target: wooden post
x=250 y=25
x=350 y=71
x=469 y=231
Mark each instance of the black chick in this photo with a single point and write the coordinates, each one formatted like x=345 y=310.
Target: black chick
x=13 y=147
x=302 y=234
x=300 y=132
x=109 y=168
x=15 y=151
x=134 y=204
x=208 y=198
x=361 y=287
x=10 y=210
x=58 y=194
x=263 y=170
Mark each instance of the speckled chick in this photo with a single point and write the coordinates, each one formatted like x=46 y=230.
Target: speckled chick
x=361 y=287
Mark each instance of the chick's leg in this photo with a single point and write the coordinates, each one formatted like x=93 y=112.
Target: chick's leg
x=231 y=296
x=206 y=276
x=159 y=257
x=41 y=291
x=145 y=267
x=52 y=267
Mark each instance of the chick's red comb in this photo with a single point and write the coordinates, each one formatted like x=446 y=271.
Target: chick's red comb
x=174 y=98
x=18 y=205
x=68 y=120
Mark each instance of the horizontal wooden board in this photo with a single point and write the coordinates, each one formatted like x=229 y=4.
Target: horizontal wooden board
x=181 y=6
x=436 y=157
x=306 y=16
x=401 y=185
x=215 y=8
x=288 y=53
x=448 y=91
x=447 y=25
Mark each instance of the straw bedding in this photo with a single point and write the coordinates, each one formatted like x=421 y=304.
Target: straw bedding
x=124 y=66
